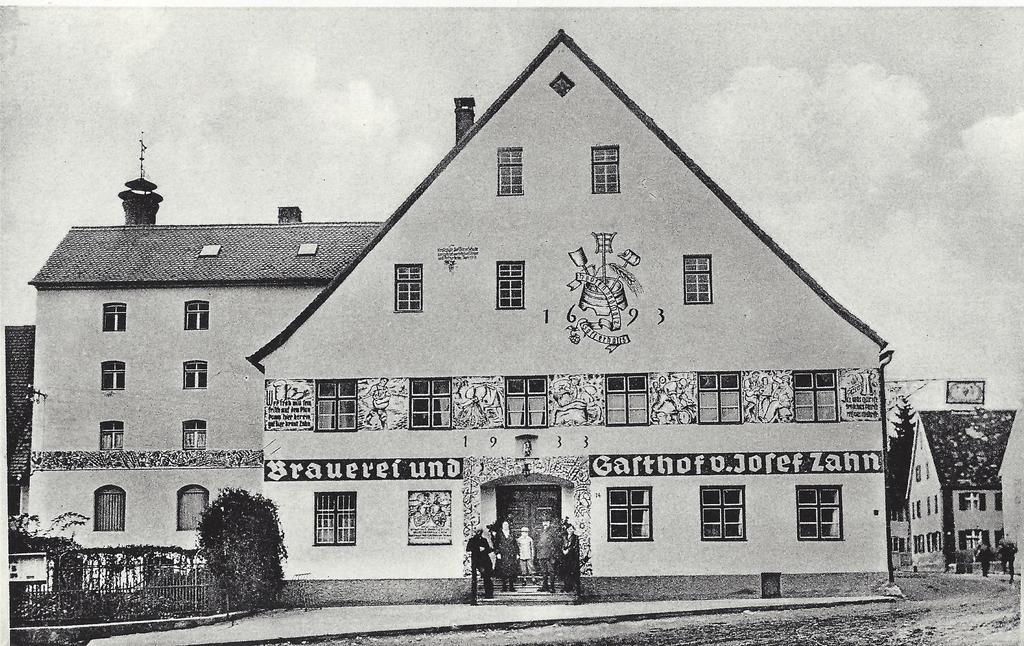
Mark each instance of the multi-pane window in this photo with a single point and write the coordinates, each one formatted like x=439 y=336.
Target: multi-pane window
x=108 y=511
x=511 y=288
x=814 y=397
x=193 y=435
x=696 y=280
x=192 y=502
x=819 y=511
x=722 y=516
x=408 y=288
x=335 y=518
x=526 y=402
x=626 y=400
x=972 y=500
x=197 y=315
x=112 y=375
x=111 y=436
x=336 y=405
x=970 y=539
x=604 y=169
x=629 y=514
x=510 y=171
x=115 y=317
x=719 y=397
x=194 y=374
x=430 y=402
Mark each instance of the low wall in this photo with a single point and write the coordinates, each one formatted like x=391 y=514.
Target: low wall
x=307 y=593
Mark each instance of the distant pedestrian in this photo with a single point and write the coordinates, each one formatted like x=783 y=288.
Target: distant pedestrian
x=571 y=560
x=549 y=547
x=984 y=556
x=1007 y=554
x=525 y=543
x=480 y=559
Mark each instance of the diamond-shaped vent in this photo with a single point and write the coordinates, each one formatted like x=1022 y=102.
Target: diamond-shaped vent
x=562 y=84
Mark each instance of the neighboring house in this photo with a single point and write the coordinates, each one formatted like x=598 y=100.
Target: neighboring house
x=1011 y=475
x=903 y=426
x=569 y=319
x=148 y=406
x=19 y=361
x=954 y=493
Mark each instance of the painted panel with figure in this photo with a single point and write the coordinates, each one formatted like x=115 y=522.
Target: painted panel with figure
x=289 y=405
x=478 y=402
x=673 y=397
x=383 y=403
x=767 y=396
x=576 y=400
x=430 y=518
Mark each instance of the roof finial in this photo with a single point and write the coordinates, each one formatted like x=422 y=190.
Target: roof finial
x=142 y=153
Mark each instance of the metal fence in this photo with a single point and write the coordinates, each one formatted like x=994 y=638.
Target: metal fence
x=86 y=587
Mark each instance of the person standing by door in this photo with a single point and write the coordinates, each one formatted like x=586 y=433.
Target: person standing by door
x=548 y=548
x=571 y=560
x=480 y=550
x=525 y=543
x=508 y=558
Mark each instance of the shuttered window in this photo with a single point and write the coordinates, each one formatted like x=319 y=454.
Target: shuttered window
x=192 y=502
x=109 y=509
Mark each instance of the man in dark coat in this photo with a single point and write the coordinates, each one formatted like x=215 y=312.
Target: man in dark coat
x=1007 y=554
x=571 y=560
x=508 y=558
x=549 y=547
x=480 y=550
x=984 y=555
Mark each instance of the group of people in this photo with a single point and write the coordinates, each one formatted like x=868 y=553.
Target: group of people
x=499 y=550
x=1005 y=551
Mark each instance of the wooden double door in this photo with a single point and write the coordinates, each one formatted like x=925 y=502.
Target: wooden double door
x=529 y=507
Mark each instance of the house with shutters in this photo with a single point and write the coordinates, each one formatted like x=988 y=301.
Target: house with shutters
x=146 y=404
x=569 y=321
x=954 y=494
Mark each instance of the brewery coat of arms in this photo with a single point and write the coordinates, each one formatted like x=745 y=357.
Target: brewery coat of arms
x=603 y=293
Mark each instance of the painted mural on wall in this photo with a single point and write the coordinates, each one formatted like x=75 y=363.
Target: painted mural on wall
x=289 y=405
x=383 y=403
x=767 y=396
x=478 y=402
x=576 y=400
x=211 y=459
x=673 y=397
x=859 y=395
x=430 y=518
x=481 y=470
x=602 y=294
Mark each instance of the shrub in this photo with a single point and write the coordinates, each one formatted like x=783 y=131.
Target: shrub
x=241 y=540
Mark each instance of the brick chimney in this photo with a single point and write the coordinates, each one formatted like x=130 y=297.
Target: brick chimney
x=289 y=215
x=140 y=203
x=464 y=116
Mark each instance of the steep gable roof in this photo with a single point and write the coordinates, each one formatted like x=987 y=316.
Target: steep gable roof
x=169 y=254
x=967 y=446
x=19 y=362
x=561 y=38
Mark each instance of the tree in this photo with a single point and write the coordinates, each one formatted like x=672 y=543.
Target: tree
x=241 y=540
x=901 y=446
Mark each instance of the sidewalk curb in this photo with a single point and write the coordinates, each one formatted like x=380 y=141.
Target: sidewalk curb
x=533 y=623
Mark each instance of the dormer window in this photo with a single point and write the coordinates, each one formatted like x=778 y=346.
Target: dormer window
x=209 y=250
x=308 y=249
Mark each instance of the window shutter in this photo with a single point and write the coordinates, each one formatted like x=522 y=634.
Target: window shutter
x=981 y=502
x=963 y=507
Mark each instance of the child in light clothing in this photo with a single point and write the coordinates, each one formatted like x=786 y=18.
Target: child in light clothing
x=525 y=551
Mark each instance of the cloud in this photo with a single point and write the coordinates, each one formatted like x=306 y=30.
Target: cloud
x=992 y=154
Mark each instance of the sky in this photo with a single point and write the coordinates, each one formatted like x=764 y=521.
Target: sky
x=882 y=148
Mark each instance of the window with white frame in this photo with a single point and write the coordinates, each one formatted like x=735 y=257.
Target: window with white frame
x=971 y=539
x=719 y=397
x=722 y=514
x=111 y=435
x=972 y=500
x=197 y=315
x=814 y=396
x=194 y=375
x=604 y=169
x=697 y=280
x=526 y=402
x=510 y=171
x=336 y=405
x=511 y=285
x=115 y=317
x=819 y=512
x=408 y=288
x=430 y=403
x=334 y=518
x=626 y=400
x=629 y=514
x=193 y=435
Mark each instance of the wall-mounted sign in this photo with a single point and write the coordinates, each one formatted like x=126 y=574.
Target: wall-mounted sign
x=368 y=469
x=965 y=392
x=703 y=464
x=453 y=253
x=430 y=518
x=289 y=405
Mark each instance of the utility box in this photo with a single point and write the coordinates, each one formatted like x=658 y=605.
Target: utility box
x=771 y=585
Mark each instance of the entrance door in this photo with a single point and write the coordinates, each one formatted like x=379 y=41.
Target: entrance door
x=529 y=507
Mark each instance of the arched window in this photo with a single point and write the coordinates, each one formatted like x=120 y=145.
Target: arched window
x=115 y=317
x=109 y=509
x=112 y=375
x=111 y=435
x=192 y=502
x=197 y=315
x=194 y=375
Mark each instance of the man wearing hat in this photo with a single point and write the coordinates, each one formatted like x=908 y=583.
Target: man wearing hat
x=479 y=550
x=525 y=551
x=548 y=548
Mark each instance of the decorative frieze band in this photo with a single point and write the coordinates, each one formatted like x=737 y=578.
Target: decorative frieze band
x=382 y=403
x=211 y=459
